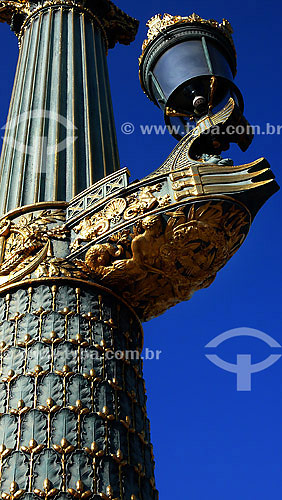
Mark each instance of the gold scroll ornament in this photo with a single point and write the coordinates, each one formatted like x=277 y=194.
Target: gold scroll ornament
x=163 y=262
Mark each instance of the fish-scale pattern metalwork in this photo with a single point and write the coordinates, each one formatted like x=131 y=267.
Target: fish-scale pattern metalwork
x=73 y=406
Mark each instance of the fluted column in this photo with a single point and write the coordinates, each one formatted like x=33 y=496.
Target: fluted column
x=60 y=135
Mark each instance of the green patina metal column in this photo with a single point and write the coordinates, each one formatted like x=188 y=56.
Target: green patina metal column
x=73 y=417
x=73 y=406
x=60 y=136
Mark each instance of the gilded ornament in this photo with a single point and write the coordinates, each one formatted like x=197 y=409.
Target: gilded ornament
x=163 y=262
x=114 y=208
x=116 y=25
x=89 y=229
x=26 y=236
x=159 y=23
x=15 y=492
x=117 y=209
x=48 y=490
x=80 y=492
x=144 y=201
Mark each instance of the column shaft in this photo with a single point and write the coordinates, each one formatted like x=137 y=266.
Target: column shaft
x=73 y=409
x=60 y=135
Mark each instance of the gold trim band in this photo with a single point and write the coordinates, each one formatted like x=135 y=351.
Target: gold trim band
x=68 y=4
x=159 y=24
x=40 y=205
x=62 y=280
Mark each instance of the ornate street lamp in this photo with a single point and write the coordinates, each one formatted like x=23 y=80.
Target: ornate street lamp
x=85 y=256
x=188 y=65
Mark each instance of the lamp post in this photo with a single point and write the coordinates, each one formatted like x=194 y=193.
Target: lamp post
x=86 y=256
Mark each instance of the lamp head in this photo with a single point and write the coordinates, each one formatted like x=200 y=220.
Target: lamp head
x=188 y=65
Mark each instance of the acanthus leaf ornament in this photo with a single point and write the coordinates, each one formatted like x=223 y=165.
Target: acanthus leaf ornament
x=116 y=25
x=159 y=23
x=26 y=242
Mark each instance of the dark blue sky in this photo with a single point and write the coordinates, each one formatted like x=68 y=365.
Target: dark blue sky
x=210 y=442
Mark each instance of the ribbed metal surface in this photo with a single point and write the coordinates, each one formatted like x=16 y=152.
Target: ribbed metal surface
x=60 y=136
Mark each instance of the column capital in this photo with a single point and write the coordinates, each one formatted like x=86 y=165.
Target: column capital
x=118 y=26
